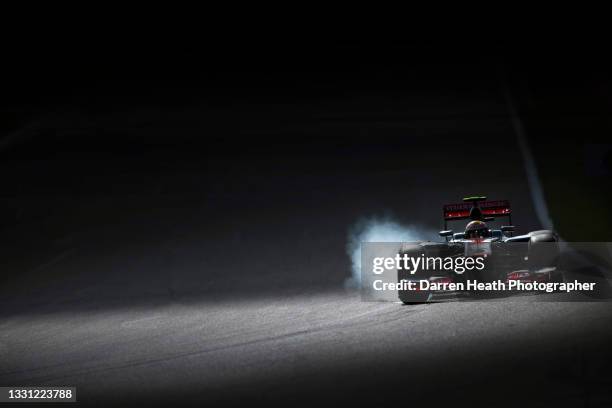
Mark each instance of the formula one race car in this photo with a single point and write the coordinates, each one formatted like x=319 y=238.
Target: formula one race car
x=531 y=257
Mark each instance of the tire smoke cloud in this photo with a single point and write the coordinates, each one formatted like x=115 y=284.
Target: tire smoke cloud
x=379 y=229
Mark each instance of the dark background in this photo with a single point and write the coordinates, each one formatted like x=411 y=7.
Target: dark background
x=140 y=170
x=289 y=143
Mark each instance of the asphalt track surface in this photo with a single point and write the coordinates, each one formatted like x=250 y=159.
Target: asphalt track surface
x=318 y=348
x=143 y=262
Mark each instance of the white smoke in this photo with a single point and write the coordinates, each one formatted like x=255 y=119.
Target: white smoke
x=379 y=229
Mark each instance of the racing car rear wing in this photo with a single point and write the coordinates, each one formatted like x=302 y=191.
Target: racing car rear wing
x=488 y=209
x=461 y=211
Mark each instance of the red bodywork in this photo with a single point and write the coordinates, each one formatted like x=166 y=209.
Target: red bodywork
x=461 y=211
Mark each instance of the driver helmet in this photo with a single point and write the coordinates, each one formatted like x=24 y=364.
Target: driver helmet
x=476 y=229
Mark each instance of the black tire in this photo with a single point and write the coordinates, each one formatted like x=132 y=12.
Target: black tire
x=409 y=297
x=543 y=250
